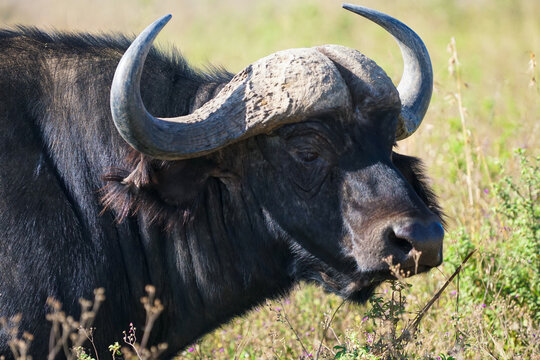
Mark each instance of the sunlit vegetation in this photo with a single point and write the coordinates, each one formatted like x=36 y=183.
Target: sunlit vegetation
x=479 y=141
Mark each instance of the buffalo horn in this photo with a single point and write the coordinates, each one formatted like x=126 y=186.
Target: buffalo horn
x=283 y=87
x=416 y=83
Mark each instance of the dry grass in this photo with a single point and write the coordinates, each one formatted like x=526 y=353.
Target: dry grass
x=486 y=103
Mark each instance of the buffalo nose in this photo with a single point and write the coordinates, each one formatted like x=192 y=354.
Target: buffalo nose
x=426 y=238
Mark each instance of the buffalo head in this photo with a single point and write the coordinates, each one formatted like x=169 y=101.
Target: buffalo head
x=303 y=139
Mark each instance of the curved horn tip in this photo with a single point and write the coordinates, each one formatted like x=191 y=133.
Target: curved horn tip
x=357 y=8
x=164 y=18
x=373 y=15
x=361 y=10
x=125 y=99
x=143 y=42
x=153 y=29
x=416 y=84
x=157 y=25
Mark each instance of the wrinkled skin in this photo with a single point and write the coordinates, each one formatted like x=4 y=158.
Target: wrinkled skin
x=328 y=187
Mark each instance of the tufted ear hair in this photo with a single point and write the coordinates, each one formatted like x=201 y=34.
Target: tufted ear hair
x=412 y=170
x=165 y=192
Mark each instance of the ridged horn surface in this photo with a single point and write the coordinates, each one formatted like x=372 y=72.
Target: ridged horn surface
x=284 y=87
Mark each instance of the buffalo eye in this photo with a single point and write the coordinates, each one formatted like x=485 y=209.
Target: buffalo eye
x=309 y=166
x=306 y=156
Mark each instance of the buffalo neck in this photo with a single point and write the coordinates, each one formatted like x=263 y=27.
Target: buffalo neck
x=215 y=266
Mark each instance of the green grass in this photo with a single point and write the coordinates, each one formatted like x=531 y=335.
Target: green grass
x=496 y=212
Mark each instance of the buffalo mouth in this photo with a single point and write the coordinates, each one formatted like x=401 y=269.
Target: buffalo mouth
x=359 y=287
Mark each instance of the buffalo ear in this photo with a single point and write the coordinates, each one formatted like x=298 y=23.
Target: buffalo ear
x=178 y=183
x=412 y=170
x=165 y=192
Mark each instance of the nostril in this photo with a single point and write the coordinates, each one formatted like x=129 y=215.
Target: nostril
x=426 y=238
x=402 y=244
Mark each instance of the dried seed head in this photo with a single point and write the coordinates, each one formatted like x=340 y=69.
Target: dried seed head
x=532 y=70
x=85 y=304
x=453 y=61
x=88 y=315
x=99 y=296
x=150 y=289
x=55 y=304
x=416 y=256
x=99 y=291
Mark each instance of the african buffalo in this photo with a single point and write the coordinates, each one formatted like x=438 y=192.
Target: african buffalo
x=221 y=190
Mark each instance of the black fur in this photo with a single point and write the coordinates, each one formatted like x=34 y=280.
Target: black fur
x=412 y=170
x=79 y=209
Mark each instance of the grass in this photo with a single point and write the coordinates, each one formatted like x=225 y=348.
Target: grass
x=486 y=105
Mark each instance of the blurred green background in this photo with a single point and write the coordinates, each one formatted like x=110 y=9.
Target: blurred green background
x=494 y=38
x=486 y=104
